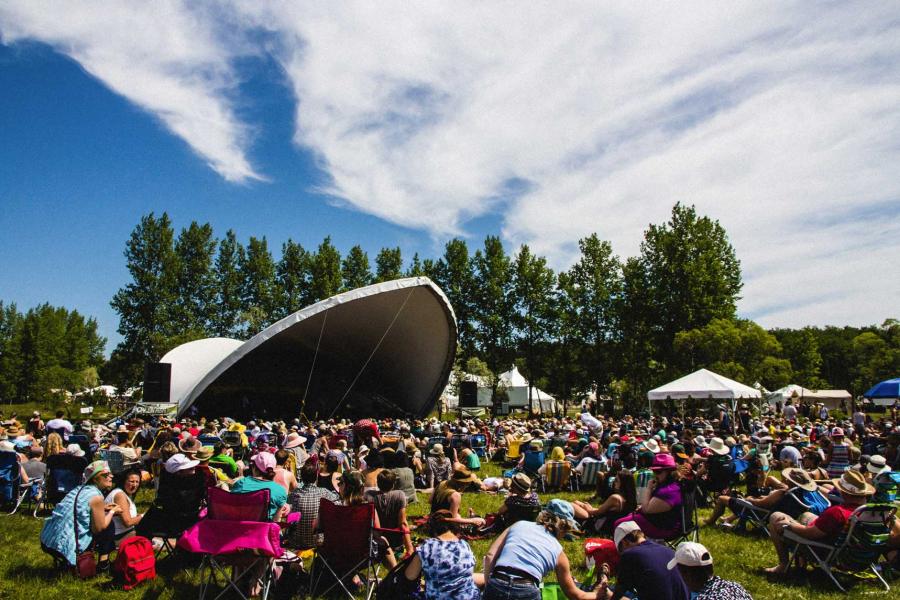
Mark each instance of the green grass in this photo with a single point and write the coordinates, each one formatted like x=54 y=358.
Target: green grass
x=25 y=571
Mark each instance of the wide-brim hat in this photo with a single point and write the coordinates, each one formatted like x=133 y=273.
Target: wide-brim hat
x=437 y=450
x=204 y=453
x=13 y=430
x=799 y=478
x=652 y=445
x=717 y=446
x=854 y=483
x=190 y=445
x=663 y=462
x=463 y=475
x=293 y=440
x=521 y=482
x=877 y=465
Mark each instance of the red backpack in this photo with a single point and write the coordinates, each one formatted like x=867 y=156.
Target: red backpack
x=135 y=562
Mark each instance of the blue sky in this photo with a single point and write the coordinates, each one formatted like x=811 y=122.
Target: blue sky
x=391 y=126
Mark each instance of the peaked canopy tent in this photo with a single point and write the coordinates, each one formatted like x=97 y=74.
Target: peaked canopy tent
x=885 y=393
x=385 y=349
x=704 y=384
x=517 y=391
x=830 y=398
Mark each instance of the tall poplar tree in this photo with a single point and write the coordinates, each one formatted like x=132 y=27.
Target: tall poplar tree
x=388 y=264
x=453 y=274
x=145 y=304
x=355 y=269
x=326 y=271
x=195 y=281
x=494 y=305
x=258 y=295
x=292 y=278
x=229 y=280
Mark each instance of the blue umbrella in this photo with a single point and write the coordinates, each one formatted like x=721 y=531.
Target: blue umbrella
x=885 y=389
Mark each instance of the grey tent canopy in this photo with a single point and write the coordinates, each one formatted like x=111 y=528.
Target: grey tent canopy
x=381 y=350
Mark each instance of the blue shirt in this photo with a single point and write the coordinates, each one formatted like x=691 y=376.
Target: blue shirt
x=277 y=494
x=530 y=548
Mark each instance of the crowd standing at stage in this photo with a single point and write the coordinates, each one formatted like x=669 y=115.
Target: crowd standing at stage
x=796 y=474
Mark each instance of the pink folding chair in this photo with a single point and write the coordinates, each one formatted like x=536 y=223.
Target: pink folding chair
x=235 y=534
x=347 y=549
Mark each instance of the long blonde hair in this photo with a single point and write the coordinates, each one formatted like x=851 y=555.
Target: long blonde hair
x=54 y=445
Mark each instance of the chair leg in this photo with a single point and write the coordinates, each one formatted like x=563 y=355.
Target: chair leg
x=880 y=578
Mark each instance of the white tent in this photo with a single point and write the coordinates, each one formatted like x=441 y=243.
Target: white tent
x=704 y=384
x=517 y=391
x=830 y=398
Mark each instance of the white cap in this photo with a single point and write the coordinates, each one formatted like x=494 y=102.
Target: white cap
x=623 y=530
x=180 y=462
x=691 y=554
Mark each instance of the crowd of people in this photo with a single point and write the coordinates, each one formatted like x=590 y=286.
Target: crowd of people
x=804 y=470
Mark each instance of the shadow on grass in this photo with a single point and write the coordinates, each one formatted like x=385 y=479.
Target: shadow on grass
x=41 y=572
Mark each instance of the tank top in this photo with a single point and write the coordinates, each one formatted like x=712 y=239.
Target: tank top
x=530 y=548
x=121 y=528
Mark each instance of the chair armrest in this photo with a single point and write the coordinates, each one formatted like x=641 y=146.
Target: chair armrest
x=793 y=537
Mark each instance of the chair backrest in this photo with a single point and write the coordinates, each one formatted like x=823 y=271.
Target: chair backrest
x=478 y=440
x=346 y=532
x=434 y=440
x=9 y=467
x=533 y=461
x=116 y=460
x=813 y=501
x=589 y=471
x=886 y=485
x=231 y=506
x=458 y=440
x=558 y=473
x=689 y=492
x=514 y=450
x=209 y=440
x=867 y=536
x=60 y=431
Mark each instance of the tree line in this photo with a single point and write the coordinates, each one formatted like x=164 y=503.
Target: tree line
x=620 y=326
x=47 y=352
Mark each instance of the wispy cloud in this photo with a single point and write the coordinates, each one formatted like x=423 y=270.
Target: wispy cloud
x=170 y=60
x=779 y=119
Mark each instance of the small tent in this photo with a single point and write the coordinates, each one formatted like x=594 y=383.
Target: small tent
x=830 y=398
x=704 y=384
x=517 y=391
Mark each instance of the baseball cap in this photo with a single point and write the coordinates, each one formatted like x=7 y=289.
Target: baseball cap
x=623 y=530
x=264 y=461
x=691 y=554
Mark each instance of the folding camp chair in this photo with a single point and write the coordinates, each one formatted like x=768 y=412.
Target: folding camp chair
x=58 y=482
x=10 y=480
x=534 y=460
x=235 y=535
x=116 y=460
x=520 y=512
x=690 y=529
x=458 y=440
x=434 y=440
x=557 y=476
x=856 y=551
x=480 y=445
x=590 y=470
x=347 y=549
x=209 y=440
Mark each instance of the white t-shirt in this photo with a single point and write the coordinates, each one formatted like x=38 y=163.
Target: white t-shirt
x=789 y=412
x=61 y=424
x=132 y=510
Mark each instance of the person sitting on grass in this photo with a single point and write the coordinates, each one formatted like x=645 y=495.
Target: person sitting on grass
x=527 y=552
x=448 y=496
x=621 y=502
x=127 y=484
x=643 y=569
x=824 y=528
x=695 y=564
x=446 y=561
x=390 y=504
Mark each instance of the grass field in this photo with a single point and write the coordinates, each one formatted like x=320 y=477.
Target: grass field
x=26 y=572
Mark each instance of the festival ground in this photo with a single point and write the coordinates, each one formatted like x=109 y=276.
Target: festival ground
x=26 y=572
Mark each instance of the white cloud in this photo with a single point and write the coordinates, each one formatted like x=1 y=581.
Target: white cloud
x=779 y=119
x=167 y=59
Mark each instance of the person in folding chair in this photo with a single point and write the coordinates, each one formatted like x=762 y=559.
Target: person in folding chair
x=824 y=528
x=659 y=513
x=621 y=502
x=262 y=477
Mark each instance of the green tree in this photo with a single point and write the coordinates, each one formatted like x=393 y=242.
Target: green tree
x=292 y=278
x=415 y=267
x=229 y=281
x=258 y=293
x=802 y=348
x=533 y=288
x=388 y=264
x=453 y=274
x=874 y=360
x=195 y=306
x=326 y=271
x=146 y=304
x=10 y=359
x=355 y=269
x=566 y=377
x=494 y=305
x=692 y=276
x=595 y=284
x=638 y=368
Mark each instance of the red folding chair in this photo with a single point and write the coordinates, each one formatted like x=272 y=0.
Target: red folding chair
x=347 y=549
x=235 y=534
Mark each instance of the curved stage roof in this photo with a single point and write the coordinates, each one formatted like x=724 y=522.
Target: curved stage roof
x=385 y=349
